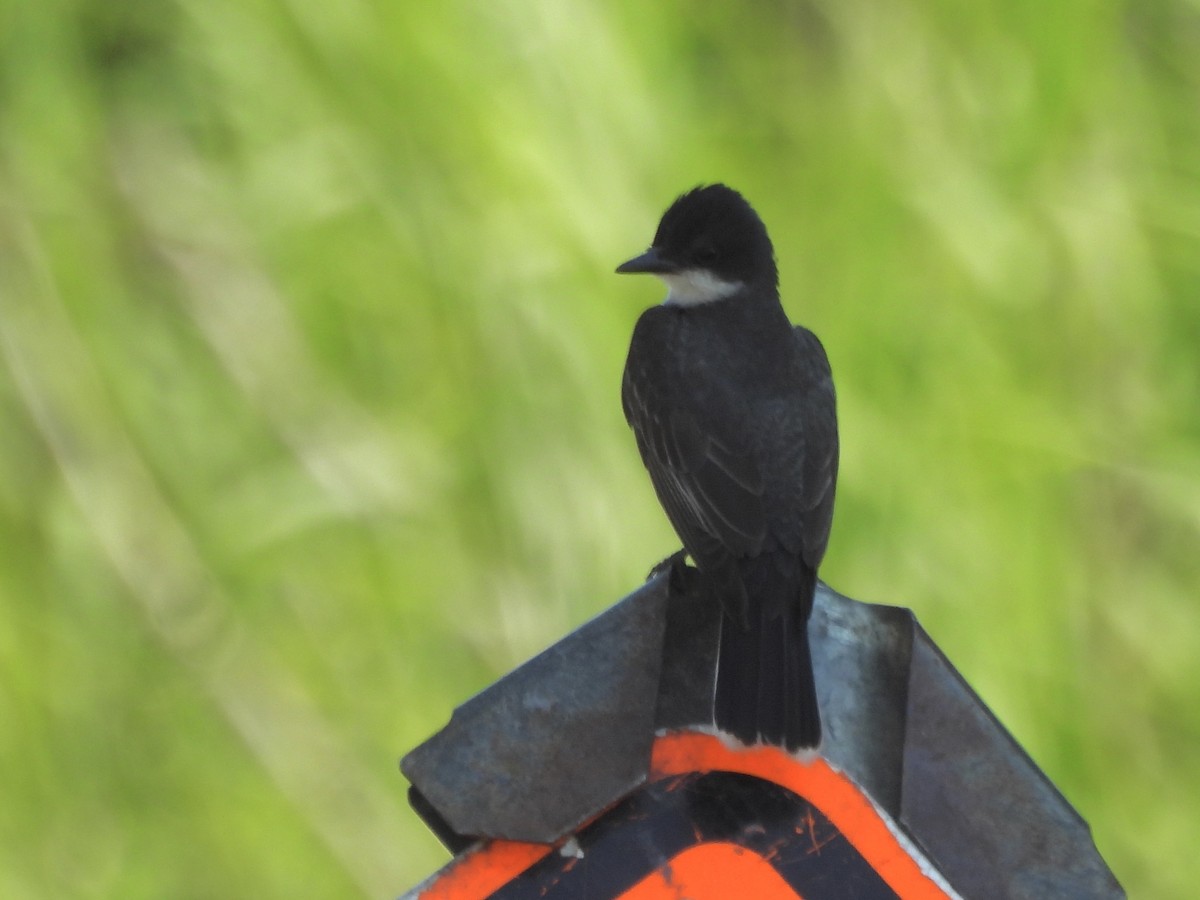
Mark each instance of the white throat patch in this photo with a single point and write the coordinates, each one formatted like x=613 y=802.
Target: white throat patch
x=692 y=287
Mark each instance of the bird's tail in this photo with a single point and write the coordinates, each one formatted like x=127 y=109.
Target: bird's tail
x=764 y=688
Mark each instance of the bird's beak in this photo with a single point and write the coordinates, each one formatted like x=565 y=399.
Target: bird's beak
x=650 y=262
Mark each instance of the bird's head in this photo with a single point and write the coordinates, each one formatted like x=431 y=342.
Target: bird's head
x=709 y=245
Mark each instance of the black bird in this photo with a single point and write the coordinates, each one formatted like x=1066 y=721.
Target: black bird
x=733 y=410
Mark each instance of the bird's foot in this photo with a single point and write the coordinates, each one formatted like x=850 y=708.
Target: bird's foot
x=677 y=571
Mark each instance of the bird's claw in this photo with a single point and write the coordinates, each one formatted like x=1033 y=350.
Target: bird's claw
x=676 y=568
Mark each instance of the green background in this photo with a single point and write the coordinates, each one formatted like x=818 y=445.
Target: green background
x=309 y=361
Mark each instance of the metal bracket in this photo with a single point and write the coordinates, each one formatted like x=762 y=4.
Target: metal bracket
x=566 y=735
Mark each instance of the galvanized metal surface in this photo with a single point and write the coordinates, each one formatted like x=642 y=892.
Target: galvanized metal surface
x=991 y=820
x=557 y=739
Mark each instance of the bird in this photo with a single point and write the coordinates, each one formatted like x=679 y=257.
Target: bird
x=734 y=414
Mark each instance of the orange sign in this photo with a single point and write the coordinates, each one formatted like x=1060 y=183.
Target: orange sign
x=710 y=822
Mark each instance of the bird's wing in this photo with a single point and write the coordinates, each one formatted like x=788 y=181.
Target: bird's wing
x=818 y=466
x=702 y=469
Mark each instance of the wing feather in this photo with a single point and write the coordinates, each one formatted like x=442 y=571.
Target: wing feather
x=708 y=487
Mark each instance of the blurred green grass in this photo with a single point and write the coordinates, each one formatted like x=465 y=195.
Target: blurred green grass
x=309 y=424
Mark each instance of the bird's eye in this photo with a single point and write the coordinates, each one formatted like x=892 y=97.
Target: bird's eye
x=704 y=256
